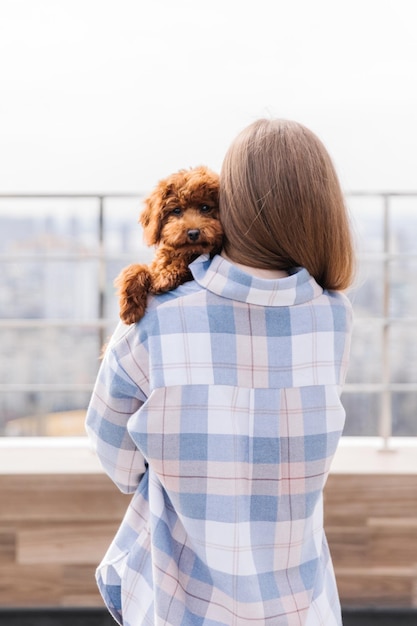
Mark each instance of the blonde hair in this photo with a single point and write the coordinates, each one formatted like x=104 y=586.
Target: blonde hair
x=281 y=204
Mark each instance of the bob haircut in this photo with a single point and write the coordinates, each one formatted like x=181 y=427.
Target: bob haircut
x=281 y=204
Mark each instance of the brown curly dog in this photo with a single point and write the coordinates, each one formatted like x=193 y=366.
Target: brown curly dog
x=181 y=218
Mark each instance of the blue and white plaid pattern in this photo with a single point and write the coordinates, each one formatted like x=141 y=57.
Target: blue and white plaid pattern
x=220 y=410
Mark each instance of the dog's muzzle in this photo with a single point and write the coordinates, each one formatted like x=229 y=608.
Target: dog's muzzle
x=193 y=234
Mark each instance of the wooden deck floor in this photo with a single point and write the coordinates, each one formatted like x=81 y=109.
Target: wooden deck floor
x=58 y=513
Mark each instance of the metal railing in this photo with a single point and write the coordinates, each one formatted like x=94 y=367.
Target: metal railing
x=385 y=387
x=101 y=256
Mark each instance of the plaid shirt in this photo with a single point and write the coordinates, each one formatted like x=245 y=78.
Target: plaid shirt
x=220 y=410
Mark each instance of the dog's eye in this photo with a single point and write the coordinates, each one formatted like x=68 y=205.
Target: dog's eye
x=176 y=211
x=205 y=208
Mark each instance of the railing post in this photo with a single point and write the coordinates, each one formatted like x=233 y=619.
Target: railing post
x=102 y=275
x=385 y=420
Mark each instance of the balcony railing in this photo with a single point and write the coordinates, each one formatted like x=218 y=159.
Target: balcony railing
x=386 y=243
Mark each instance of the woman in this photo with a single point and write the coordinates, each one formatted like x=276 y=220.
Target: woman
x=220 y=410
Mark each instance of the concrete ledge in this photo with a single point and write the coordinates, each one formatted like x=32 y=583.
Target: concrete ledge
x=47 y=455
x=73 y=455
x=368 y=455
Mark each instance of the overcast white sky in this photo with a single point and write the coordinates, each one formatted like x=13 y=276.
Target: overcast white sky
x=111 y=95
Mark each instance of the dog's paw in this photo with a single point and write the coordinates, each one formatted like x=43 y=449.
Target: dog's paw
x=168 y=279
x=133 y=284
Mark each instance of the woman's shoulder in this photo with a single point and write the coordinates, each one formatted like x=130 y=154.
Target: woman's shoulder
x=340 y=310
x=155 y=301
x=339 y=299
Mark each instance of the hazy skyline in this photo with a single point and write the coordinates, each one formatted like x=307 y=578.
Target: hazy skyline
x=110 y=95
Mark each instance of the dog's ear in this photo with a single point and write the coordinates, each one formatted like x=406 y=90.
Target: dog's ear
x=151 y=217
x=208 y=180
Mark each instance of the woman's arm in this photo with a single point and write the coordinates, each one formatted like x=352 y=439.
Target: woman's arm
x=115 y=398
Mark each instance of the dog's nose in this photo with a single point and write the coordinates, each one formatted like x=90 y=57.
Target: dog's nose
x=193 y=234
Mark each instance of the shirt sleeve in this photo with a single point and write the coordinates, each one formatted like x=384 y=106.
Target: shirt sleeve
x=114 y=400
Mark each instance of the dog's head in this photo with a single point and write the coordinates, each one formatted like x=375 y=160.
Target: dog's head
x=182 y=212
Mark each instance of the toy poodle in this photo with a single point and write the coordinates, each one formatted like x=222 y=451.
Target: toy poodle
x=181 y=218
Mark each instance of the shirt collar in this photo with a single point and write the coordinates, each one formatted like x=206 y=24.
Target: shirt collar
x=221 y=277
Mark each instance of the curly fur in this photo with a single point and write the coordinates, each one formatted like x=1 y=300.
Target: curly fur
x=180 y=218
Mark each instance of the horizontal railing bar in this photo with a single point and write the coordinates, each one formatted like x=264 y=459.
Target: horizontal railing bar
x=134 y=257
x=378 y=387
x=383 y=256
x=46 y=322
x=44 y=256
x=348 y=388
x=88 y=195
x=366 y=256
x=132 y=194
x=30 y=387
x=384 y=320
x=381 y=194
x=101 y=323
